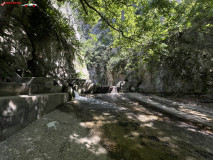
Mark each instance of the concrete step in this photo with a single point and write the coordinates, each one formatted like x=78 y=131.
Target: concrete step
x=16 y=112
x=12 y=89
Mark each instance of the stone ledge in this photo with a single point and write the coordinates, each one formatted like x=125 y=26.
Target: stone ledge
x=168 y=110
x=35 y=80
x=12 y=89
x=16 y=112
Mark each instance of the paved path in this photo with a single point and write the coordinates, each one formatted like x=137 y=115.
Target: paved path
x=105 y=127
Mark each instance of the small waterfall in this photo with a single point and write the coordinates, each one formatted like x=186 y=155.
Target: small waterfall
x=76 y=94
x=96 y=102
x=78 y=97
x=114 y=89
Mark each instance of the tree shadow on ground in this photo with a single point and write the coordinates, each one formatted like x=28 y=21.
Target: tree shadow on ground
x=130 y=131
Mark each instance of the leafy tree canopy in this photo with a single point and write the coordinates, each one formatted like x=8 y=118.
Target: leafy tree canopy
x=140 y=30
x=140 y=23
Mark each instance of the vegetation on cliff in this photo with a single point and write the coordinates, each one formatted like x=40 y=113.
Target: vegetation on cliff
x=38 y=41
x=149 y=34
x=122 y=37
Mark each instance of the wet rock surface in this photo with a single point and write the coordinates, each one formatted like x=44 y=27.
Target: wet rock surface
x=108 y=126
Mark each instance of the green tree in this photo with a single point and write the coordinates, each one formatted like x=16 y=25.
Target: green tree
x=144 y=24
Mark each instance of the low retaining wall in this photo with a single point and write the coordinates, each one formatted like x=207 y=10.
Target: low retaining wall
x=35 y=80
x=12 y=89
x=16 y=112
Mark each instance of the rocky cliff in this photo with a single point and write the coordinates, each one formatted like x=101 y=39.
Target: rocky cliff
x=34 y=43
x=188 y=67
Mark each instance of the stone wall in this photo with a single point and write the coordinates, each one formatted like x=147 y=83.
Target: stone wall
x=17 y=112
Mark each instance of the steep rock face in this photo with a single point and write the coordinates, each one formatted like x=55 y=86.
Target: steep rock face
x=115 y=77
x=189 y=69
x=98 y=73
x=102 y=71
x=29 y=46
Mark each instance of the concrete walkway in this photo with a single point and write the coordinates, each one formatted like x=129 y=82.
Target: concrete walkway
x=194 y=114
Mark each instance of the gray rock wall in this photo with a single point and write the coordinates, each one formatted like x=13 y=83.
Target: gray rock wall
x=30 y=47
x=187 y=69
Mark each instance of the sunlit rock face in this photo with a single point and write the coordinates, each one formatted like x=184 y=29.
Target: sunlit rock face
x=30 y=47
x=97 y=73
x=67 y=12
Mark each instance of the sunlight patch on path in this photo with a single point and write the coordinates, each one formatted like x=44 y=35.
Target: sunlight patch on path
x=91 y=143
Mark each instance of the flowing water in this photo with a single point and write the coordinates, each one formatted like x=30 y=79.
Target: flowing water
x=114 y=89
